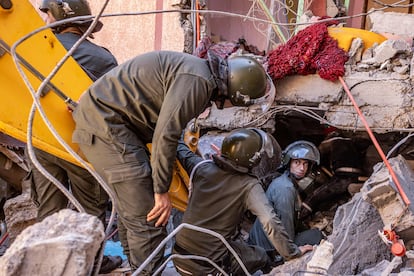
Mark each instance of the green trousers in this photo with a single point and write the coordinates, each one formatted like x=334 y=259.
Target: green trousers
x=126 y=169
x=253 y=257
x=81 y=183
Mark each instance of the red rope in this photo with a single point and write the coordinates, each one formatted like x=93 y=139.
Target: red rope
x=4 y=238
x=112 y=234
x=377 y=146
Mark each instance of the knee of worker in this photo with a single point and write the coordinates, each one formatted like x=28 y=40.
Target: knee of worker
x=142 y=229
x=142 y=241
x=253 y=257
x=311 y=236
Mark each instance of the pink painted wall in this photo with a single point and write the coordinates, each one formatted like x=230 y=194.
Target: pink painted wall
x=128 y=36
x=228 y=28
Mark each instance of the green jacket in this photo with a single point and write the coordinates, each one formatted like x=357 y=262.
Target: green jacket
x=155 y=95
x=218 y=201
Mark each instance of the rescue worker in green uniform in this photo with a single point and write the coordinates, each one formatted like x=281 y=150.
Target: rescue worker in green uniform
x=150 y=99
x=95 y=60
x=222 y=190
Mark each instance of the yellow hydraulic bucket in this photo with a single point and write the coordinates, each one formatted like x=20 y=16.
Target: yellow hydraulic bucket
x=38 y=55
x=345 y=35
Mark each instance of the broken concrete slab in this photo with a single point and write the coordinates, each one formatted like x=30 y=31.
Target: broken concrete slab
x=380 y=191
x=309 y=90
x=385 y=99
x=388 y=49
x=392 y=22
x=64 y=243
x=385 y=102
x=236 y=117
x=356 y=247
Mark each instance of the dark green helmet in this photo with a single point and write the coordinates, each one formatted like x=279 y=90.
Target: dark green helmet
x=246 y=147
x=63 y=9
x=240 y=146
x=247 y=80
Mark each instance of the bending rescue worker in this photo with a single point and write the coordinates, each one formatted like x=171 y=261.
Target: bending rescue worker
x=150 y=99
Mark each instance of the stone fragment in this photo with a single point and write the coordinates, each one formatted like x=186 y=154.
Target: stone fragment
x=64 y=243
x=389 y=48
x=383 y=193
x=355 y=52
x=331 y=8
x=20 y=212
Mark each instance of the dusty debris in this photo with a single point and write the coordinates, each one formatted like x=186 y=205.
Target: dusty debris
x=357 y=249
x=352 y=239
x=321 y=259
x=388 y=50
x=64 y=243
x=383 y=194
x=20 y=213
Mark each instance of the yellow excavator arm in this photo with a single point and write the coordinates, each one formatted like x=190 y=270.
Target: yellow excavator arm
x=37 y=56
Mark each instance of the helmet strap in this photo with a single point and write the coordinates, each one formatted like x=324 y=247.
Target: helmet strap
x=219 y=69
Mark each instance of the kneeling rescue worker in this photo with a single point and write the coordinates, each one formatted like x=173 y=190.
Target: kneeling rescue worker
x=222 y=190
x=150 y=99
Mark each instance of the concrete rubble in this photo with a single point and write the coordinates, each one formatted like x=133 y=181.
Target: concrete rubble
x=356 y=244
x=392 y=23
x=20 y=213
x=383 y=194
x=381 y=84
x=65 y=243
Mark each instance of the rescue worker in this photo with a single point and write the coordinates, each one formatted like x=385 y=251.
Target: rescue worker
x=283 y=193
x=341 y=160
x=150 y=99
x=95 y=61
x=222 y=190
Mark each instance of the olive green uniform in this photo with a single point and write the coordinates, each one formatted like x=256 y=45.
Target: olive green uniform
x=95 y=61
x=150 y=98
x=218 y=202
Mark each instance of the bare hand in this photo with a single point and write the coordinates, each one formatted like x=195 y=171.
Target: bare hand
x=161 y=210
x=305 y=248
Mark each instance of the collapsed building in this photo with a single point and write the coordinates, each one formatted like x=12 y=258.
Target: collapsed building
x=356 y=211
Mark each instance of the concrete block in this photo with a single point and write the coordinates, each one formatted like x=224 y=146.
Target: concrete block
x=382 y=193
x=381 y=119
x=309 y=89
x=64 y=243
x=381 y=93
x=389 y=48
x=392 y=22
x=235 y=117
